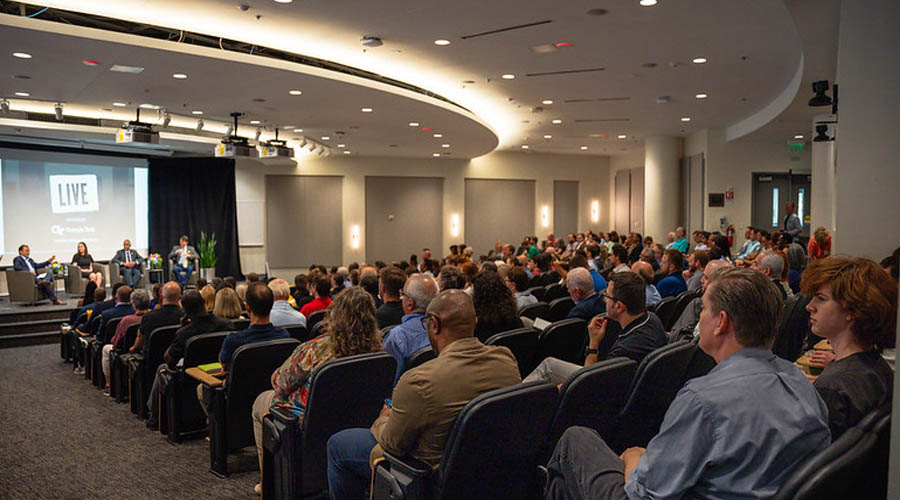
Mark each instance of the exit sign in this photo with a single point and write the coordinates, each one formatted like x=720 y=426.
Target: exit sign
x=796 y=147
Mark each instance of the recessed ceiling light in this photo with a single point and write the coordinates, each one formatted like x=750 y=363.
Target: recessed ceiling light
x=298 y=130
x=437 y=136
x=196 y=112
x=179 y=76
x=119 y=68
x=148 y=106
x=685 y=118
x=524 y=146
x=413 y=124
x=119 y=104
x=556 y=122
x=436 y=155
x=548 y=137
x=22 y=55
x=508 y=76
x=445 y=145
x=283 y=1
x=22 y=94
x=254 y=122
x=347 y=152
x=342 y=145
x=701 y=96
x=295 y=92
x=647 y=3
x=798 y=136
x=584 y=148
x=366 y=110
x=442 y=42
x=90 y=62
x=699 y=60
x=326 y=138
x=622 y=136
x=547 y=101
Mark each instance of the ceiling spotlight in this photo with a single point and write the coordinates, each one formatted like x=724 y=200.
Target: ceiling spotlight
x=22 y=55
x=699 y=60
x=548 y=137
x=119 y=104
x=413 y=124
x=196 y=112
x=58 y=110
x=509 y=76
x=701 y=96
x=326 y=138
x=584 y=148
x=445 y=145
x=4 y=106
x=254 y=122
x=199 y=124
x=167 y=118
x=436 y=155
x=283 y=1
x=798 y=136
x=22 y=94
x=437 y=136
x=556 y=122
x=298 y=130
x=685 y=118
x=295 y=92
x=622 y=136
x=547 y=101
x=820 y=99
x=347 y=152
x=148 y=106
x=179 y=76
x=366 y=110
x=442 y=42
x=258 y=133
x=647 y=3
x=342 y=145
x=524 y=146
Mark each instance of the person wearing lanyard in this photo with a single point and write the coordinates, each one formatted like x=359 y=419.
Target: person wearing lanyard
x=129 y=262
x=23 y=262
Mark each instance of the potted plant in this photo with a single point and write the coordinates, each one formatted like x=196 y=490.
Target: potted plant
x=207 y=256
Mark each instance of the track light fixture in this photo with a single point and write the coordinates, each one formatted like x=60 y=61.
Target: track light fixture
x=229 y=130
x=4 y=105
x=258 y=133
x=167 y=118
x=58 y=109
x=303 y=142
x=199 y=124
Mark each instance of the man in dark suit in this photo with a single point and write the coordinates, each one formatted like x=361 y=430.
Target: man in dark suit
x=121 y=309
x=129 y=262
x=23 y=262
x=184 y=256
x=581 y=288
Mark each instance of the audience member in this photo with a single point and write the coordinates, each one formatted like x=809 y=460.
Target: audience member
x=681 y=243
x=121 y=309
x=740 y=430
x=390 y=285
x=252 y=278
x=168 y=313
x=641 y=331
x=649 y=256
x=700 y=238
x=697 y=262
x=495 y=306
x=891 y=264
x=301 y=291
x=156 y=296
x=722 y=248
x=241 y=291
x=409 y=336
x=451 y=278
x=208 y=293
x=771 y=264
x=635 y=247
x=517 y=282
x=854 y=305
x=588 y=303
x=685 y=327
x=230 y=282
x=644 y=270
x=618 y=257
x=426 y=399
x=819 y=246
x=282 y=313
x=140 y=304
x=671 y=266
x=319 y=287
x=228 y=304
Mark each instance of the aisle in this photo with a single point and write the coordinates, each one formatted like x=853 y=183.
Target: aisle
x=61 y=438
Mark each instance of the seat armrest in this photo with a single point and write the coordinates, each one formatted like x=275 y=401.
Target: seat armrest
x=278 y=426
x=403 y=478
x=408 y=465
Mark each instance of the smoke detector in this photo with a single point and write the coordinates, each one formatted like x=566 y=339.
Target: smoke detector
x=371 y=41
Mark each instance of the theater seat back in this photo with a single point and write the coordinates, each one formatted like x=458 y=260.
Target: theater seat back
x=160 y=340
x=562 y=340
x=559 y=308
x=537 y=292
x=420 y=357
x=298 y=332
x=537 y=310
x=204 y=348
x=314 y=318
x=523 y=343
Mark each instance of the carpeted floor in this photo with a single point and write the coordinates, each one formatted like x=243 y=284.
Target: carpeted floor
x=61 y=438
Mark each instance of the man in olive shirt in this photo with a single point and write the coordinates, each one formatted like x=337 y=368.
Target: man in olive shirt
x=427 y=398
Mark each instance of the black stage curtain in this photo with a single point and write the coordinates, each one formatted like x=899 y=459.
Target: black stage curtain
x=189 y=195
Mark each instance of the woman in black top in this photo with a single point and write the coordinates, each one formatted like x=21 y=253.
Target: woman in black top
x=495 y=306
x=85 y=263
x=854 y=306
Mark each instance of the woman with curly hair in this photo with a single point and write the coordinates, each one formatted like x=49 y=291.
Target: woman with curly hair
x=495 y=306
x=854 y=306
x=350 y=329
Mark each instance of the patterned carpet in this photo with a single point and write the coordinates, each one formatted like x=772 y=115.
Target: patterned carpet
x=61 y=438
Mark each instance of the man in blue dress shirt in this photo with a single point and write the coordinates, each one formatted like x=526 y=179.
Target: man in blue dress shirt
x=738 y=432
x=671 y=266
x=410 y=335
x=792 y=223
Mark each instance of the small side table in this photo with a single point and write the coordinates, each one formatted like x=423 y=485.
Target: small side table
x=155 y=275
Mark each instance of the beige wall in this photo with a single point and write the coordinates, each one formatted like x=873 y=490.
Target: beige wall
x=592 y=172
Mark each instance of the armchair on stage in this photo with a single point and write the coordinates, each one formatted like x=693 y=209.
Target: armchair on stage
x=22 y=287
x=115 y=274
x=195 y=263
x=75 y=282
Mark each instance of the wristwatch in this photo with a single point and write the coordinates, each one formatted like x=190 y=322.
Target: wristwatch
x=590 y=351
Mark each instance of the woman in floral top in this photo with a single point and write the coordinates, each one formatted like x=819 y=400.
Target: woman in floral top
x=350 y=329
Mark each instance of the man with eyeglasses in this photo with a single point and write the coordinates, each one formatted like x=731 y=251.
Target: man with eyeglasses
x=410 y=335
x=427 y=398
x=641 y=331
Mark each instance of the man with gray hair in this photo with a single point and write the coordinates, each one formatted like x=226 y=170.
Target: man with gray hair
x=685 y=327
x=771 y=264
x=282 y=313
x=409 y=336
x=140 y=302
x=581 y=288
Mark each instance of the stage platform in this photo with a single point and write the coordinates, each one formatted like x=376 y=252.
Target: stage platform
x=23 y=324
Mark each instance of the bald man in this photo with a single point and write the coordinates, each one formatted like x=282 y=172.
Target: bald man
x=645 y=270
x=427 y=398
x=167 y=314
x=685 y=328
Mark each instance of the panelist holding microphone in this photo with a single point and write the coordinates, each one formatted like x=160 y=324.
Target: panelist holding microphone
x=183 y=256
x=24 y=263
x=129 y=262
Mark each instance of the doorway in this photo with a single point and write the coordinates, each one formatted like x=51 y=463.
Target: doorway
x=771 y=191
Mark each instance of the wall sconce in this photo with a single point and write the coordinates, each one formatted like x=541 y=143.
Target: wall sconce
x=354 y=236
x=595 y=211
x=454 y=225
x=545 y=216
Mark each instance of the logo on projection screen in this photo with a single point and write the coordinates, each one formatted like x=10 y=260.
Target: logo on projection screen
x=73 y=193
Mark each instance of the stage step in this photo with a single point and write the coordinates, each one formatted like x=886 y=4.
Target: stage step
x=26 y=339
x=24 y=325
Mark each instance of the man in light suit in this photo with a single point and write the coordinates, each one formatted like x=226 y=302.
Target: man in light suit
x=183 y=255
x=24 y=263
x=129 y=262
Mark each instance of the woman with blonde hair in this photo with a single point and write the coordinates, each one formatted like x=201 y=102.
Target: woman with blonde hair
x=349 y=329
x=228 y=305
x=209 y=296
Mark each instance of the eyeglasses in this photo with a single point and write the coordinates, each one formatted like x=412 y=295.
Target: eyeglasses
x=435 y=317
x=610 y=297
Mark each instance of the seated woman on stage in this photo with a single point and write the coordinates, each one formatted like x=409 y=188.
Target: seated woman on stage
x=85 y=263
x=854 y=306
